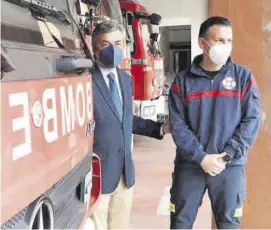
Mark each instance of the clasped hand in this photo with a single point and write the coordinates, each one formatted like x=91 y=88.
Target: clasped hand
x=213 y=164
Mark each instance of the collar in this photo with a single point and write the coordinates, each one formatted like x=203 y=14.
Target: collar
x=106 y=71
x=196 y=69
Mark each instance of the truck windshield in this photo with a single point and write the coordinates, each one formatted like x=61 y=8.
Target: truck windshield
x=151 y=46
x=128 y=21
x=146 y=30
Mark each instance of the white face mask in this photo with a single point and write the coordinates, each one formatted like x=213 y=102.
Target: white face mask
x=219 y=53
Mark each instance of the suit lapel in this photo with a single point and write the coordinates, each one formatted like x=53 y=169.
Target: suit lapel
x=101 y=84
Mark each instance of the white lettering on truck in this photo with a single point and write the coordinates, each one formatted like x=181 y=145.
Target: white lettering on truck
x=74 y=101
x=80 y=91
x=21 y=123
x=67 y=110
x=50 y=114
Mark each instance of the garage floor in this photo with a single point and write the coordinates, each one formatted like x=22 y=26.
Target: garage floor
x=154 y=165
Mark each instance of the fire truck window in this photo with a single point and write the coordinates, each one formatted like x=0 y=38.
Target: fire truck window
x=145 y=33
x=24 y=28
x=131 y=33
x=65 y=32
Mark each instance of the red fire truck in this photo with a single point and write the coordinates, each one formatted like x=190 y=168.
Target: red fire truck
x=48 y=168
x=146 y=58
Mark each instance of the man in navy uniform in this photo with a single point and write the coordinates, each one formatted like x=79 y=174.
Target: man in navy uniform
x=115 y=123
x=215 y=115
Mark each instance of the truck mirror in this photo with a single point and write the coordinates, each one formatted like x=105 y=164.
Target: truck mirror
x=155 y=19
x=154 y=37
x=91 y=14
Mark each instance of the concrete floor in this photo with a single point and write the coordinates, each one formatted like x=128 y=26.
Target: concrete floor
x=154 y=165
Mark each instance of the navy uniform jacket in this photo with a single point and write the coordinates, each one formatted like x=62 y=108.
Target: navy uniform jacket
x=214 y=115
x=112 y=138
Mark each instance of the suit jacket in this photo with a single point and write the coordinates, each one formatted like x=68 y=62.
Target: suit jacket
x=112 y=138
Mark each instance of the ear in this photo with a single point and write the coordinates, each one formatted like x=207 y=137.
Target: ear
x=201 y=43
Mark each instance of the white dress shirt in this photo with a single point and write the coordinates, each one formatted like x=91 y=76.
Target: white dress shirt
x=105 y=72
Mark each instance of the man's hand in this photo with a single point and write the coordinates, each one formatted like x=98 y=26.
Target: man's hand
x=166 y=128
x=213 y=164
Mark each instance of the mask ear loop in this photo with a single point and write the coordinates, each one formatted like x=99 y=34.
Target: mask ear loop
x=207 y=44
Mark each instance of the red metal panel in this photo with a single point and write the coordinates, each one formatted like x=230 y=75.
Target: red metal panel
x=48 y=157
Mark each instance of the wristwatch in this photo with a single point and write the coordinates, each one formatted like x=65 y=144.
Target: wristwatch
x=227 y=158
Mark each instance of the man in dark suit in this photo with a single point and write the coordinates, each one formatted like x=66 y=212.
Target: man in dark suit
x=115 y=124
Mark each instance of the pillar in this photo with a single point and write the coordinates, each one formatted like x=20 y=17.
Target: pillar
x=251 y=21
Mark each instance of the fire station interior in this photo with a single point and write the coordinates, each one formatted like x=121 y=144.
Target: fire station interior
x=153 y=159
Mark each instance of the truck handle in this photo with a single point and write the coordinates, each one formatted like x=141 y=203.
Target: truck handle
x=72 y=64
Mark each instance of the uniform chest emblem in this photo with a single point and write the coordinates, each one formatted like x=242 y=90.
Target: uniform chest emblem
x=229 y=83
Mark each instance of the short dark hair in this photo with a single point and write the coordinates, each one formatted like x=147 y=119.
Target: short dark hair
x=216 y=20
x=105 y=27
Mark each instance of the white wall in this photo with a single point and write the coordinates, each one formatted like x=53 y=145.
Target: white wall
x=181 y=12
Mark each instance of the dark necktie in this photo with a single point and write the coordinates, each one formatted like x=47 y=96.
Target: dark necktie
x=113 y=88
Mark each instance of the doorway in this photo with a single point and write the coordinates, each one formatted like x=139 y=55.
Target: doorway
x=175 y=44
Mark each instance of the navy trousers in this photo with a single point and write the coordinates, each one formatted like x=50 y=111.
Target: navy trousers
x=227 y=192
